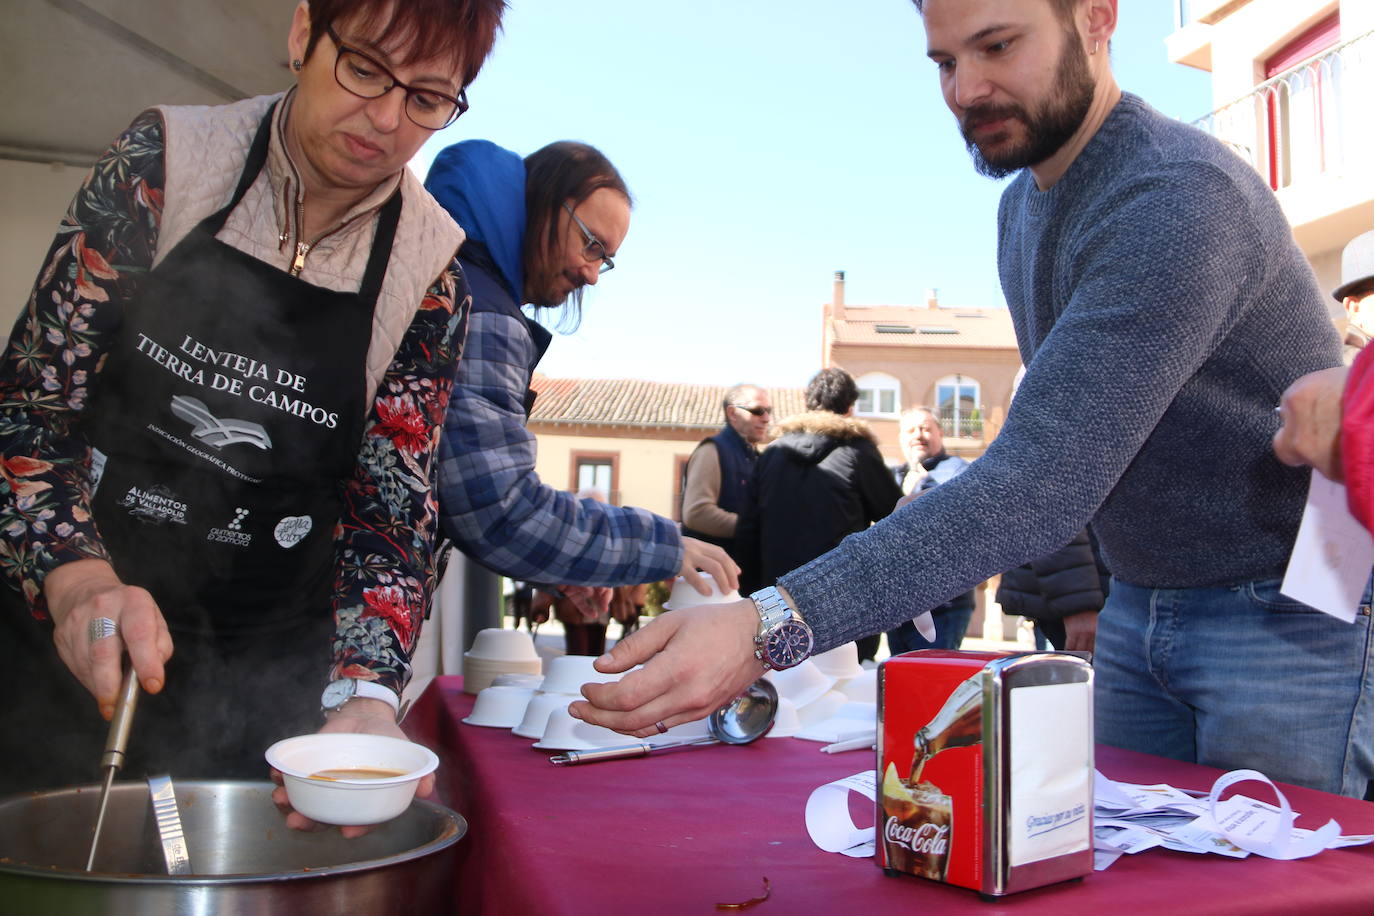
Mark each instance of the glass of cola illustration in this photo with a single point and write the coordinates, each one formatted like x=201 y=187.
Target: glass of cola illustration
x=918 y=823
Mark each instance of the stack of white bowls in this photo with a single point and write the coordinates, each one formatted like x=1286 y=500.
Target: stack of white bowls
x=562 y=684
x=495 y=652
x=500 y=706
x=834 y=697
x=857 y=683
x=532 y=681
x=863 y=688
x=537 y=712
x=564 y=733
x=786 y=723
x=685 y=595
x=801 y=684
x=849 y=708
x=841 y=663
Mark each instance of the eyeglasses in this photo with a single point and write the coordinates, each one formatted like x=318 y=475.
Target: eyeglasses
x=367 y=79
x=754 y=411
x=593 y=250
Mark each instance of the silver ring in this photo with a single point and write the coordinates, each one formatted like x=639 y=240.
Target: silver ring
x=661 y=727
x=100 y=628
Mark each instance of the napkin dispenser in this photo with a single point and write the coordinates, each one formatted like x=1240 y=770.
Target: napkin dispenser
x=985 y=768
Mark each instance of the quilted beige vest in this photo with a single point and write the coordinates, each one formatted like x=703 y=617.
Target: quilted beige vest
x=206 y=151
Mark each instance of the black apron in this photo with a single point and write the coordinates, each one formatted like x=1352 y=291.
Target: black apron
x=228 y=415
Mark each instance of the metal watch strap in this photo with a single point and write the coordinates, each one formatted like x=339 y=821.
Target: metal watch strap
x=772 y=607
x=774 y=611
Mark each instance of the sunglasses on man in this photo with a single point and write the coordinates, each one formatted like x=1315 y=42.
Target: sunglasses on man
x=754 y=411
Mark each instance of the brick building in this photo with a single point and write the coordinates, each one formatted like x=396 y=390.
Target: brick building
x=628 y=437
x=961 y=361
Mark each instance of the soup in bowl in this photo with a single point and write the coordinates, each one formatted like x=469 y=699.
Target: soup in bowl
x=350 y=779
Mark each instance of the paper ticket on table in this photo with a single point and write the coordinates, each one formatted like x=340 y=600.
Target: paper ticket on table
x=1332 y=555
x=828 y=819
x=1266 y=829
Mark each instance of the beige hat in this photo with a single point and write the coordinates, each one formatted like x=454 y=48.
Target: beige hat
x=1357 y=265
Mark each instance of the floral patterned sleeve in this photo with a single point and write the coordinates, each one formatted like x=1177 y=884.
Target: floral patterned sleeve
x=104 y=246
x=386 y=537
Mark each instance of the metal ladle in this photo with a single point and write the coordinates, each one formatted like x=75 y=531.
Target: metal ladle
x=744 y=719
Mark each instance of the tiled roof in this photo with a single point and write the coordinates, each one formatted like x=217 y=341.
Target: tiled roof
x=634 y=402
x=906 y=326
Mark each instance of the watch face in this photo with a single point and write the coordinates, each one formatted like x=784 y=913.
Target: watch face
x=788 y=645
x=338 y=693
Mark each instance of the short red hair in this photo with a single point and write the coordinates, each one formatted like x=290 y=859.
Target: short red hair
x=464 y=30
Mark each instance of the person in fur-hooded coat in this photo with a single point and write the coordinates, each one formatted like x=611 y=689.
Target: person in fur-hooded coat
x=822 y=478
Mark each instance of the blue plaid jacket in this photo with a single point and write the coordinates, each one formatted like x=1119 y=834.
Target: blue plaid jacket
x=493 y=505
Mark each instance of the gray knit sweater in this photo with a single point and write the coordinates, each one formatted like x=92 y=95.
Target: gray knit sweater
x=1161 y=307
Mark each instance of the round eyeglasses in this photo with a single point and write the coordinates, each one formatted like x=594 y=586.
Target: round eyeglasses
x=367 y=79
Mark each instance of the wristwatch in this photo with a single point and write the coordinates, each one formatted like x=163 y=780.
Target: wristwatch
x=784 y=640
x=344 y=689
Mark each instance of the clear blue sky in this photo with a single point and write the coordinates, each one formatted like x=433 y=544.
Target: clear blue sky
x=768 y=143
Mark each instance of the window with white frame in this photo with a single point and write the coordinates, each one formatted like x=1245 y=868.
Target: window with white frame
x=958 y=399
x=880 y=395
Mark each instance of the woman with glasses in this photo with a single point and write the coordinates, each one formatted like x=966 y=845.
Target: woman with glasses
x=538 y=231
x=220 y=410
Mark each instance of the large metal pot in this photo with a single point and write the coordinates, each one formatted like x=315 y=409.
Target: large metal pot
x=245 y=860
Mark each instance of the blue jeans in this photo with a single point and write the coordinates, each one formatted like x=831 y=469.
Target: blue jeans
x=951 y=621
x=1238 y=677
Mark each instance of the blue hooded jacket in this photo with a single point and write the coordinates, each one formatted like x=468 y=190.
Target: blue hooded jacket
x=492 y=503
x=482 y=186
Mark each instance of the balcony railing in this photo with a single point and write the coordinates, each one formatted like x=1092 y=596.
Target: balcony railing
x=1313 y=119
x=964 y=423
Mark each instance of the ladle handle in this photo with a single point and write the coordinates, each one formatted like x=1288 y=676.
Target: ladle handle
x=569 y=758
x=117 y=740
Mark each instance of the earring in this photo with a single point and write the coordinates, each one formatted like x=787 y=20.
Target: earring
x=296 y=64
x=1095 y=44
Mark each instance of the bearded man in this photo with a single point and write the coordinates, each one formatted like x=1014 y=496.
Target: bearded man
x=1161 y=306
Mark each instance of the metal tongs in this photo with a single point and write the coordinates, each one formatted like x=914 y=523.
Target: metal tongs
x=169 y=830
x=112 y=761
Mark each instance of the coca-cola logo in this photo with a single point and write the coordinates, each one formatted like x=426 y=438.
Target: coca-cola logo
x=928 y=838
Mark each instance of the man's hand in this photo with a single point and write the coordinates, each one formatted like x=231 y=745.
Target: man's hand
x=1311 y=431
x=79 y=592
x=1080 y=631
x=360 y=715
x=695 y=661
x=590 y=601
x=699 y=555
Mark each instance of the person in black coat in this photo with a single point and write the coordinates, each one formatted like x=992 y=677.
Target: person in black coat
x=1061 y=593
x=822 y=479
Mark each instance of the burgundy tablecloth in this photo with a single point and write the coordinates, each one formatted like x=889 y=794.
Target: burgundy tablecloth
x=683 y=830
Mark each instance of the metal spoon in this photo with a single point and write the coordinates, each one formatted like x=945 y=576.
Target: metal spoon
x=744 y=719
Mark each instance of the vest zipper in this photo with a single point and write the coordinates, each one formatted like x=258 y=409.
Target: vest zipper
x=302 y=247
x=298 y=262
